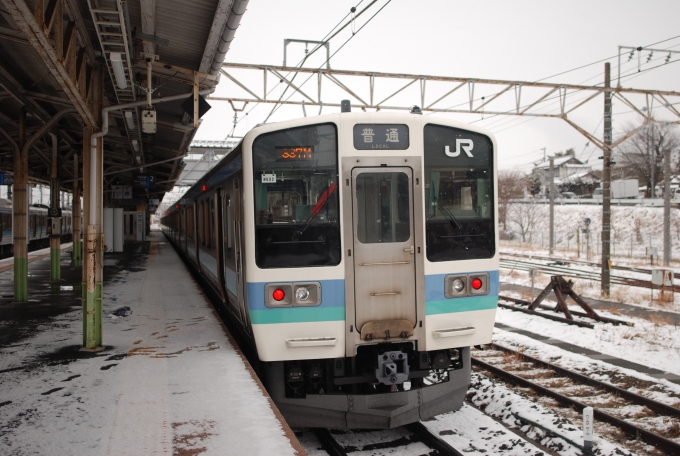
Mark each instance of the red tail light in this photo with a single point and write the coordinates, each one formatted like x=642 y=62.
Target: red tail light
x=278 y=294
x=476 y=284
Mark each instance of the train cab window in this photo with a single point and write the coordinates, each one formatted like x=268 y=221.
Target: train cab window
x=459 y=193
x=296 y=197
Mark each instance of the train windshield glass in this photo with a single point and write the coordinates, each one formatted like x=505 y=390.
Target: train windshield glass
x=458 y=194
x=296 y=197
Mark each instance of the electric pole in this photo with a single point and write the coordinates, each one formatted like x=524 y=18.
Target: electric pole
x=667 y=207
x=606 y=184
x=552 y=205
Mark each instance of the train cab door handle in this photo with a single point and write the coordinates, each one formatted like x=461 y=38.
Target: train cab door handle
x=409 y=250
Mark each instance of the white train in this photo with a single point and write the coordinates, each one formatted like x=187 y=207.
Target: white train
x=359 y=253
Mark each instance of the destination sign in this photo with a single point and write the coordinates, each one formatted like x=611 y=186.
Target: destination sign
x=294 y=153
x=381 y=137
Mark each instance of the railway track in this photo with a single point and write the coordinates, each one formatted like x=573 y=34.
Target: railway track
x=523 y=265
x=676 y=275
x=418 y=433
x=518 y=303
x=636 y=415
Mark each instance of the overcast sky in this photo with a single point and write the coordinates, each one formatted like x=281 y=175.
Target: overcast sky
x=507 y=40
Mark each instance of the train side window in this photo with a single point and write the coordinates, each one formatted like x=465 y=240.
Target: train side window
x=228 y=234
x=212 y=225
x=204 y=224
x=199 y=225
x=190 y=223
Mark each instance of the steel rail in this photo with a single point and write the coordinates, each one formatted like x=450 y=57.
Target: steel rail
x=582 y=324
x=676 y=275
x=432 y=440
x=658 y=407
x=613 y=321
x=332 y=447
x=631 y=429
x=587 y=275
x=580 y=274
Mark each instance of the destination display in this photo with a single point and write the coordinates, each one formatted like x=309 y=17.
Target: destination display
x=381 y=137
x=294 y=153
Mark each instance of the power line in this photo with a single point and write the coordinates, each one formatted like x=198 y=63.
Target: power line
x=332 y=55
x=569 y=71
x=301 y=62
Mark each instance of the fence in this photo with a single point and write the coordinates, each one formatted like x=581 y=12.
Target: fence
x=586 y=244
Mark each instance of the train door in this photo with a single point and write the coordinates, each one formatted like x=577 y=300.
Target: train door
x=238 y=252
x=129 y=226
x=384 y=260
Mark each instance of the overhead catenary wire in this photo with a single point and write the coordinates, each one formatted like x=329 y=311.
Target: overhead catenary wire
x=329 y=36
x=339 y=49
x=564 y=72
x=301 y=62
x=630 y=75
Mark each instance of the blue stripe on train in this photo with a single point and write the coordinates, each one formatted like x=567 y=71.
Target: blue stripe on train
x=332 y=307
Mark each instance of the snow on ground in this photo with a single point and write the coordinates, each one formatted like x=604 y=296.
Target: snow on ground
x=169 y=383
x=592 y=289
x=633 y=229
x=511 y=408
x=647 y=343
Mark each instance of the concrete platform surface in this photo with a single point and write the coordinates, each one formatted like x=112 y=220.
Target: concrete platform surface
x=169 y=381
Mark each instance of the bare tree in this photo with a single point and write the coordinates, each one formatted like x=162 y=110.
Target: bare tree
x=511 y=185
x=642 y=154
x=526 y=216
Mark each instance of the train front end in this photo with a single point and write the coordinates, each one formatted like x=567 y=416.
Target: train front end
x=372 y=267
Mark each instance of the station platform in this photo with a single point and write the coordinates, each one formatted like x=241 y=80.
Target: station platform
x=169 y=380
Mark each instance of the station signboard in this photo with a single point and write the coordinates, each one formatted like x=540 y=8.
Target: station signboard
x=6 y=179
x=144 y=181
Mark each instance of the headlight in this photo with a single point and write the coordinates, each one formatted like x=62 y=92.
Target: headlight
x=302 y=294
x=458 y=285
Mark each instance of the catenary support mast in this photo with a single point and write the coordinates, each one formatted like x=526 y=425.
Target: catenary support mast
x=606 y=184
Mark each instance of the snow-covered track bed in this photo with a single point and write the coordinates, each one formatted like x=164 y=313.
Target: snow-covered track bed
x=653 y=422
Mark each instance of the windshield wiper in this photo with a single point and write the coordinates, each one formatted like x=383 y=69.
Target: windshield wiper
x=454 y=222
x=323 y=199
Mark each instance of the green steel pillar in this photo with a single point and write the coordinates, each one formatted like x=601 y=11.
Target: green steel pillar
x=92 y=316
x=20 y=210
x=77 y=254
x=55 y=258
x=55 y=222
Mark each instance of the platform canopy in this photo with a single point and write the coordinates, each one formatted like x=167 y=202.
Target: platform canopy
x=49 y=52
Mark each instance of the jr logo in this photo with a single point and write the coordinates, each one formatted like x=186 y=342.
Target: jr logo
x=465 y=144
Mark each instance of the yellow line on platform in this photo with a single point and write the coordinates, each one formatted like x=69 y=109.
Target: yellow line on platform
x=31 y=260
